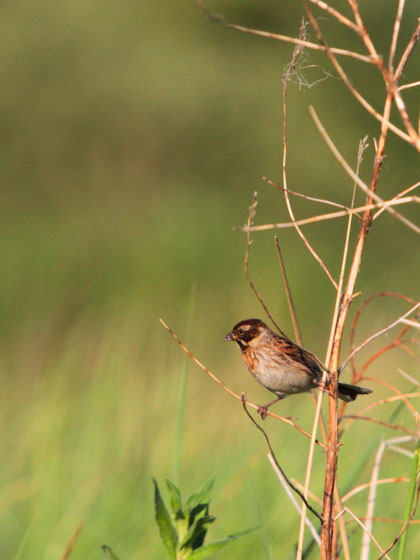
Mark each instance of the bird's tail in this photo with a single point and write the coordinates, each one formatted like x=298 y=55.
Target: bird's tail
x=350 y=393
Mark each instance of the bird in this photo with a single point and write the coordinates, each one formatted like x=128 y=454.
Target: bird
x=280 y=365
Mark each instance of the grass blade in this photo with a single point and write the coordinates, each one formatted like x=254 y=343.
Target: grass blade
x=410 y=500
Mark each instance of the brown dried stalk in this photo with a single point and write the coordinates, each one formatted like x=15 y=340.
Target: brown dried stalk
x=285 y=38
x=375 y=335
x=296 y=53
x=361 y=487
x=251 y=214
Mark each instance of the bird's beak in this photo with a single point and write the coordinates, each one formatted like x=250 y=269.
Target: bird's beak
x=229 y=336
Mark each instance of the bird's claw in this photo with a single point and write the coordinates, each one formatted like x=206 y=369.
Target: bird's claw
x=262 y=411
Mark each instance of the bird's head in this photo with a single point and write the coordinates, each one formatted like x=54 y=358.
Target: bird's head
x=247 y=332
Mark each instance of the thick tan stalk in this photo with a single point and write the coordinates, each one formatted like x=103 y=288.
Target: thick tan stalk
x=327 y=531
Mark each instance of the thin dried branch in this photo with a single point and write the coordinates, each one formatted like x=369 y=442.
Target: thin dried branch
x=399 y=102
x=411 y=323
x=372 y=492
x=407 y=52
x=310 y=494
x=251 y=214
x=352 y=174
x=365 y=35
x=366 y=531
x=381 y=118
x=292 y=310
x=409 y=377
x=284 y=483
x=393 y=480
x=359 y=312
x=398 y=197
x=401 y=450
x=274 y=460
x=387 y=520
x=338 y=16
x=339 y=214
x=380 y=422
x=375 y=335
x=286 y=78
x=228 y=390
x=412 y=84
x=285 y=38
x=395 y=398
x=395 y=32
x=396 y=391
x=306 y=197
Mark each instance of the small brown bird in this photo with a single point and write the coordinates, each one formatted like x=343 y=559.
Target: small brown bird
x=283 y=367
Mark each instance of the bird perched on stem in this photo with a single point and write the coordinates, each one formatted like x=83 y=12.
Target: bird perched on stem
x=280 y=365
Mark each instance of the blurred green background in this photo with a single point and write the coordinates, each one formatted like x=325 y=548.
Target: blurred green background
x=133 y=135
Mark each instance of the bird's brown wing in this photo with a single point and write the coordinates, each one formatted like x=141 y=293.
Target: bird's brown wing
x=300 y=355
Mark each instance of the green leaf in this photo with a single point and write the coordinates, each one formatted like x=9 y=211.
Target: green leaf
x=202 y=497
x=209 y=549
x=175 y=499
x=195 y=536
x=167 y=531
x=109 y=555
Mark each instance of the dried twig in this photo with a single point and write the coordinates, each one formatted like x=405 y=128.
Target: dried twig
x=251 y=214
x=228 y=390
x=285 y=38
x=361 y=487
x=378 y=160
x=384 y=205
x=366 y=531
x=378 y=333
x=292 y=310
x=274 y=459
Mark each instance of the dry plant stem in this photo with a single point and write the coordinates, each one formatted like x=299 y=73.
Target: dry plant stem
x=362 y=487
x=361 y=308
x=380 y=422
x=373 y=336
x=395 y=33
x=384 y=205
x=292 y=310
x=412 y=84
x=251 y=214
x=413 y=324
x=398 y=197
x=347 y=510
x=285 y=38
x=384 y=119
x=338 y=16
x=232 y=393
x=372 y=492
x=388 y=400
x=295 y=503
x=332 y=445
x=296 y=53
x=343 y=533
x=387 y=520
x=372 y=196
x=274 y=459
x=407 y=403
x=306 y=197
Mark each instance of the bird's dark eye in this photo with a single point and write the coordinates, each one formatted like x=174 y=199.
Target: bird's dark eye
x=241 y=331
